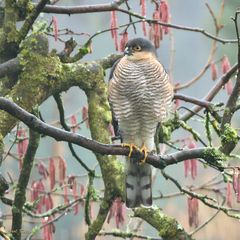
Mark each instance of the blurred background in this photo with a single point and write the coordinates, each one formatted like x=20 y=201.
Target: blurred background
x=188 y=52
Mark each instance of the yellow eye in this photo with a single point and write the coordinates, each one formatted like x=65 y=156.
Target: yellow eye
x=137 y=48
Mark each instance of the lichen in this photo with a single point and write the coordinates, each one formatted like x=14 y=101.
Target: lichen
x=229 y=135
x=168 y=228
x=214 y=156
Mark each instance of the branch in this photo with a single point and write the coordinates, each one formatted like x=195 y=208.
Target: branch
x=59 y=102
x=118 y=233
x=10 y=66
x=202 y=103
x=232 y=101
x=208 y=201
x=106 y=7
x=210 y=155
x=20 y=193
x=168 y=228
x=31 y=19
x=115 y=6
x=212 y=93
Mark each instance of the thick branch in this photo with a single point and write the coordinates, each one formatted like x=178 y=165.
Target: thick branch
x=211 y=155
x=10 y=66
x=168 y=228
x=106 y=7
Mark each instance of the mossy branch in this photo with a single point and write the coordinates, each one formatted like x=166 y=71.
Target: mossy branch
x=168 y=228
x=20 y=193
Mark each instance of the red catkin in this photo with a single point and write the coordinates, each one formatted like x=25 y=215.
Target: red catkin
x=225 y=64
x=85 y=115
x=42 y=170
x=62 y=166
x=74 y=125
x=22 y=145
x=52 y=173
x=117 y=211
x=55 y=28
x=143 y=13
x=214 y=72
x=164 y=15
x=193 y=208
x=113 y=26
x=123 y=41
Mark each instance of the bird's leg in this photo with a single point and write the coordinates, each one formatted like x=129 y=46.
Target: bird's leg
x=145 y=151
x=131 y=146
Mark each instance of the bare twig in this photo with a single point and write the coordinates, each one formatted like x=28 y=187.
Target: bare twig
x=212 y=93
x=210 y=202
x=206 y=222
x=115 y=6
x=218 y=27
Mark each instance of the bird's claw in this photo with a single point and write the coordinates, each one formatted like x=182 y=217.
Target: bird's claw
x=131 y=147
x=145 y=151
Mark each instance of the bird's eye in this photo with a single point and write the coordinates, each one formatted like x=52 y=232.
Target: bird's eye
x=137 y=48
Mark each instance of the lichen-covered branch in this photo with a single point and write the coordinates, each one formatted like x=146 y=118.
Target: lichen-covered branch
x=168 y=228
x=30 y=19
x=43 y=75
x=112 y=170
x=126 y=235
x=20 y=193
x=232 y=100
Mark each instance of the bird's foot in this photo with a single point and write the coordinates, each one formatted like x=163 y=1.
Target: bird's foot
x=131 y=147
x=145 y=151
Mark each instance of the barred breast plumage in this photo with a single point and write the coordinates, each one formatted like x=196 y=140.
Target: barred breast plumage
x=140 y=95
x=140 y=90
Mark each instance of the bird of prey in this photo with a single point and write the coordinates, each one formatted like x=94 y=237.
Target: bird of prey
x=140 y=96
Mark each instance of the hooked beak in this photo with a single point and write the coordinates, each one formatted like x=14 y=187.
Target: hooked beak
x=128 y=51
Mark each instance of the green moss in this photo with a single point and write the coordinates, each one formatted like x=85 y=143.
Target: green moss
x=40 y=72
x=215 y=157
x=229 y=135
x=167 y=227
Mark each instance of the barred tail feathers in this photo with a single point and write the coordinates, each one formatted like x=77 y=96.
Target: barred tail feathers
x=138 y=184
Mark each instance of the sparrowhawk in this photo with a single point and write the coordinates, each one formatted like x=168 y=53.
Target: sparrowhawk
x=140 y=96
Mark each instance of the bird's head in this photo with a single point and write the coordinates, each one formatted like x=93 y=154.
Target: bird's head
x=139 y=48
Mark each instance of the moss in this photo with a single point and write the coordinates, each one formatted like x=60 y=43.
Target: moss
x=215 y=157
x=10 y=17
x=167 y=227
x=40 y=72
x=111 y=168
x=229 y=135
x=40 y=75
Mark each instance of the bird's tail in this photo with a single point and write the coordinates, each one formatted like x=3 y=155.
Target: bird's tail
x=138 y=184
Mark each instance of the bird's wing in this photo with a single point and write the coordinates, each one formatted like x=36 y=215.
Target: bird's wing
x=114 y=120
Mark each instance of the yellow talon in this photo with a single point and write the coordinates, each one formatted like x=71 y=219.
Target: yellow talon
x=145 y=151
x=131 y=146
